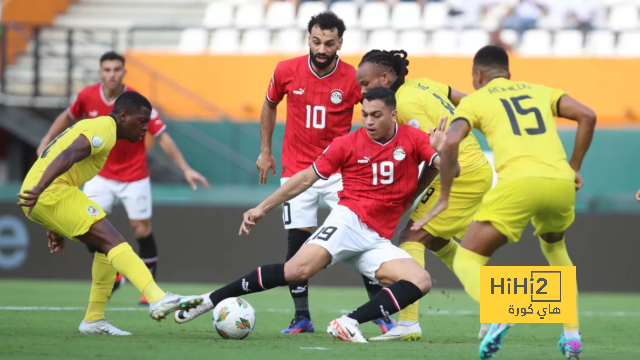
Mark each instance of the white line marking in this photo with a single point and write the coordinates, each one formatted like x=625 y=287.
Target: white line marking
x=284 y=311
x=313 y=348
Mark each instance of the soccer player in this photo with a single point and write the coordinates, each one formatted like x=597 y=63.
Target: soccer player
x=422 y=103
x=321 y=92
x=125 y=175
x=379 y=165
x=535 y=181
x=51 y=197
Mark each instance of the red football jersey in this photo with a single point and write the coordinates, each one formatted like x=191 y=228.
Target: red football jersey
x=378 y=179
x=319 y=109
x=127 y=161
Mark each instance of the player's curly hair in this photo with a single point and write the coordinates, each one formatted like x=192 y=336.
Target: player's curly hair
x=327 y=20
x=395 y=61
x=131 y=101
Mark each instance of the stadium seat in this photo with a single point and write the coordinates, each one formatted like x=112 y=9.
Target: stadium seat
x=374 y=15
x=347 y=11
x=568 y=43
x=289 y=41
x=255 y=41
x=405 y=15
x=193 y=40
x=382 y=40
x=624 y=17
x=224 y=42
x=600 y=43
x=435 y=15
x=535 y=43
x=414 y=42
x=352 y=42
x=509 y=37
x=217 y=15
x=250 y=15
x=307 y=10
x=444 y=42
x=629 y=44
x=281 y=14
x=472 y=40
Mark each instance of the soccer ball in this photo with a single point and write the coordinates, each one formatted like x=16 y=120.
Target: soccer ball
x=234 y=318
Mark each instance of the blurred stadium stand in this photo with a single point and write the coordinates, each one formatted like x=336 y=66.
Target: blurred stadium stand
x=46 y=60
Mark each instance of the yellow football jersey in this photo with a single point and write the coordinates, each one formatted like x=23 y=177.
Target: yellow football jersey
x=101 y=133
x=421 y=103
x=518 y=120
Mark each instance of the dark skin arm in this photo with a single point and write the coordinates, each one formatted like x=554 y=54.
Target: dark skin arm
x=79 y=150
x=449 y=168
x=570 y=108
x=456 y=96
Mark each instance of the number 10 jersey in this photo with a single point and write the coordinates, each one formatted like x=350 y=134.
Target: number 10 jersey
x=319 y=108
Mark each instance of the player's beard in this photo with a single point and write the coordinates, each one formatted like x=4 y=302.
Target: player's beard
x=322 y=65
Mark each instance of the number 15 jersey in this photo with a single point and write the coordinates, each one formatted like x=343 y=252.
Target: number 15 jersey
x=518 y=120
x=319 y=108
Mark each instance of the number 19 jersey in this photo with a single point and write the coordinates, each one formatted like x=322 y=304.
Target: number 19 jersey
x=518 y=120
x=319 y=108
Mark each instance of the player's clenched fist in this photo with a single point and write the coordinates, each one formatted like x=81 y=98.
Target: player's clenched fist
x=265 y=163
x=251 y=217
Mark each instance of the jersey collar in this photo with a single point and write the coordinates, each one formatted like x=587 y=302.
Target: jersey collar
x=104 y=98
x=395 y=132
x=326 y=75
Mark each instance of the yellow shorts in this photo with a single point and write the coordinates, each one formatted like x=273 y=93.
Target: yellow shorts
x=465 y=199
x=548 y=203
x=67 y=211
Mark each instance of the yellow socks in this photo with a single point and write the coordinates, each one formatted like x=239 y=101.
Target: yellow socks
x=557 y=255
x=102 y=277
x=416 y=250
x=466 y=266
x=125 y=261
x=448 y=253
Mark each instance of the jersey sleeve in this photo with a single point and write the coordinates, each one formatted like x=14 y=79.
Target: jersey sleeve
x=77 y=108
x=444 y=88
x=412 y=113
x=156 y=125
x=465 y=111
x=425 y=151
x=555 y=100
x=331 y=160
x=101 y=136
x=277 y=90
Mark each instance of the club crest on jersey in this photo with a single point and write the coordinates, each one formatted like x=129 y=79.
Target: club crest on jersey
x=414 y=123
x=399 y=154
x=92 y=211
x=336 y=96
x=96 y=141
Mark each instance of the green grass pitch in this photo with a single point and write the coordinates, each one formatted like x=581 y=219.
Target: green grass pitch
x=39 y=320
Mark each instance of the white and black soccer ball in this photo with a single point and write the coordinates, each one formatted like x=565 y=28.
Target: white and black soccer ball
x=234 y=318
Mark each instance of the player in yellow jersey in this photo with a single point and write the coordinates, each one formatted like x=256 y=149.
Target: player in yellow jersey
x=422 y=103
x=535 y=181
x=51 y=197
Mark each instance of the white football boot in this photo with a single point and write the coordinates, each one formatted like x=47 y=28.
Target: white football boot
x=346 y=329
x=100 y=327
x=484 y=328
x=172 y=302
x=401 y=332
x=184 y=316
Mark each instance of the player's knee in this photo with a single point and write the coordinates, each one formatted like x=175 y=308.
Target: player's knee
x=552 y=237
x=408 y=235
x=296 y=272
x=423 y=281
x=141 y=228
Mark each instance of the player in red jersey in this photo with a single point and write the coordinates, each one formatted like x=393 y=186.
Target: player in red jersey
x=125 y=175
x=321 y=93
x=379 y=165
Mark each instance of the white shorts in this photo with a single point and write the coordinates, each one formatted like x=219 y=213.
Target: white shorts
x=135 y=196
x=349 y=240
x=302 y=211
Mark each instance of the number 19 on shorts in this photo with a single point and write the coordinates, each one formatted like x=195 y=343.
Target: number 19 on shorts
x=319 y=117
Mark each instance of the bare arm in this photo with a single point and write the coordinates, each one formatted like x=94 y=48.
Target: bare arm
x=62 y=122
x=79 y=150
x=266 y=161
x=570 y=108
x=169 y=147
x=298 y=184
x=455 y=96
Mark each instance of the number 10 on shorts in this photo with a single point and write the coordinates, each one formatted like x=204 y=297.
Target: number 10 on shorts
x=528 y=294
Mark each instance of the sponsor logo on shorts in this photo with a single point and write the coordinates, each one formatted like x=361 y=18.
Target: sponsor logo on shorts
x=399 y=154
x=92 y=211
